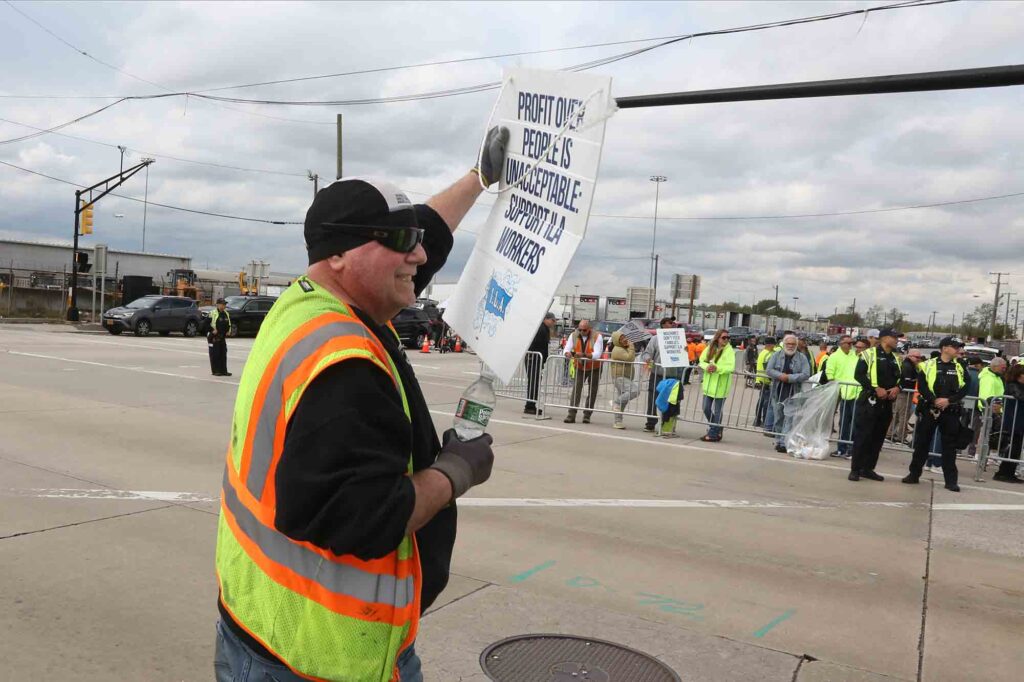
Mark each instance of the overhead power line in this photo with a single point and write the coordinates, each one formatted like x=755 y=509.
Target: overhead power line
x=481 y=87
x=45 y=131
x=158 y=155
x=154 y=203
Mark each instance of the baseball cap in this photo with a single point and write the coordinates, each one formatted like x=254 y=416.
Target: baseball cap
x=877 y=334
x=884 y=332
x=221 y=300
x=550 y=316
x=364 y=202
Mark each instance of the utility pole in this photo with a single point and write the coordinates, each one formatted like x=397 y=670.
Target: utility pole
x=145 y=203
x=339 y=147
x=315 y=179
x=657 y=180
x=776 y=295
x=1006 y=319
x=1016 y=318
x=995 y=304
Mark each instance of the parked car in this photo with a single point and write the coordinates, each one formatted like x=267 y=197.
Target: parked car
x=693 y=332
x=161 y=314
x=738 y=335
x=412 y=325
x=247 y=313
x=984 y=352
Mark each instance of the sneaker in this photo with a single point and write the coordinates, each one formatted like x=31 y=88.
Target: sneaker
x=934 y=470
x=586 y=420
x=569 y=420
x=848 y=455
x=780 y=448
x=618 y=425
x=648 y=428
x=835 y=454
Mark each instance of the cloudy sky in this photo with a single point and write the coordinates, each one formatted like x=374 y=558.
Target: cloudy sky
x=722 y=160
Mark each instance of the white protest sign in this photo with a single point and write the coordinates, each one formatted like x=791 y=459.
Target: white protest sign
x=672 y=346
x=635 y=332
x=540 y=216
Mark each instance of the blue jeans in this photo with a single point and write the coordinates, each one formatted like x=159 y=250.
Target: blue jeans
x=713 y=413
x=847 y=408
x=235 y=662
x=781 y=423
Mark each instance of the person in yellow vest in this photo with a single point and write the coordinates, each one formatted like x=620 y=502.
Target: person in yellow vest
x=584 y=348
x=763 y=382
x=337 y=517
x=878 y=373
x=942 y=385
x=804 y=350
x=822 y=354
x=220 y=327
x=842 y=367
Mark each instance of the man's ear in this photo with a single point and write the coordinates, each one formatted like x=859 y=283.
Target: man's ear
x=337 y=263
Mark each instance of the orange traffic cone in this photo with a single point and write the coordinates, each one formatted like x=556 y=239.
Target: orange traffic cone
x=458 y=344
x=426 y=345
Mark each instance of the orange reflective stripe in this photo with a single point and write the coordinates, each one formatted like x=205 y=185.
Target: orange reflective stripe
x=268 y=375
x=341 y=588
x=266 y=516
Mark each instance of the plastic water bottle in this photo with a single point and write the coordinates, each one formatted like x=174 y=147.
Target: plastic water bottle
x=475 y=406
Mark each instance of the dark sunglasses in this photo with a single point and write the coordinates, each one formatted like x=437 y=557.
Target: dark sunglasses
x=724 y=336
x=400 y=239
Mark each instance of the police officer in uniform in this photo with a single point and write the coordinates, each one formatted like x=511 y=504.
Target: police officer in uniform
x=942 y=385
x=220 y=325
x=878 y=373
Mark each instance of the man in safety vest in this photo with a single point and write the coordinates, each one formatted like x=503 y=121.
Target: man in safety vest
x=878 y=373
x=338 y=513
x=842 y=367
x=942 y=386
x=763 y=383
x=584 y=349
x=220 y=327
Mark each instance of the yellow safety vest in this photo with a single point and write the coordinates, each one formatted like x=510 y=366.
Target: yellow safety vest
x=326 y=616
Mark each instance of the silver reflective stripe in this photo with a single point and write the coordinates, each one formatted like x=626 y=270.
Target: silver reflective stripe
x=266 y=427
x=335 y=577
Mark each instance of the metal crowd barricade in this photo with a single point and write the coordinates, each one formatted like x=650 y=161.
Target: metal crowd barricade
x=999 y=441
x=520 y=386
x=560 y=383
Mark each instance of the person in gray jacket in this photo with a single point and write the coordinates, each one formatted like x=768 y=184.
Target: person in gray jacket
x=652 y=356
x=788 y=370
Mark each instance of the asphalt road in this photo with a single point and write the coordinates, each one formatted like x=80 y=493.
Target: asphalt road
x=727 y=561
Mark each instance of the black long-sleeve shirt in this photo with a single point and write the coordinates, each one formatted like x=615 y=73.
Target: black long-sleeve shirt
x=946 y=384
x=341 y=480
x=541 y=341
x=888 y=371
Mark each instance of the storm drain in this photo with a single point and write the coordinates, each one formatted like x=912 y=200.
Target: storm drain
x=564 y=658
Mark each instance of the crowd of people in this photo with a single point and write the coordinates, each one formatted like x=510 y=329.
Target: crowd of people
x=934 y=404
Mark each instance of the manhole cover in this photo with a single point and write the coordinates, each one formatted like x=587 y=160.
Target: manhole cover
x=564 y=658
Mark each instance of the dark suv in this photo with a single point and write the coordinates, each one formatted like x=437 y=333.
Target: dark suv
x=412 y=325
x=161 y=314
x=246 y=312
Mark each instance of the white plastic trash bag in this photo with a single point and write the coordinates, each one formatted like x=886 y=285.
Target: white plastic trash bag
x=810 y=415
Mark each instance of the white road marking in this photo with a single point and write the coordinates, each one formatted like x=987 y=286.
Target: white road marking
x=527 y=502
x=168 y=348
x=419 y=366
x=121 y=367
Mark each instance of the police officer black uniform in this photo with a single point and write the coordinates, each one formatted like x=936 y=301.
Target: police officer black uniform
x=220 y=325
x=878 y=373
x=942 y=384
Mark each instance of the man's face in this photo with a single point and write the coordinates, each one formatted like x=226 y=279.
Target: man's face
x=668 y=324
x=790 y=346
x=378 y=280
x=860 y=347
x=846 y=344
x=996 y=368
x=873 y=341
x=221 y=306
x=888 y=342
x=584 y=327
x=914 y=357
x=549 y=322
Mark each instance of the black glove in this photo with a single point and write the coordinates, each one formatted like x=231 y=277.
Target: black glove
x=465 y=463
x=493 y=161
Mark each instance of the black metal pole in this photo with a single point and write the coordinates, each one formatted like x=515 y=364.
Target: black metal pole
x=73 y=306
x=987 y=77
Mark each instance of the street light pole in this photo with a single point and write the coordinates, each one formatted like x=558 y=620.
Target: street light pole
x=657 y=180
x=145 y=203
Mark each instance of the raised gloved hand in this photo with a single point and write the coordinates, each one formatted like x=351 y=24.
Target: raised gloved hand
x=465 y=463
x=493 y=160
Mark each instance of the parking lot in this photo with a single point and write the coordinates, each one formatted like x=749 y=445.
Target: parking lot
x=727 y=561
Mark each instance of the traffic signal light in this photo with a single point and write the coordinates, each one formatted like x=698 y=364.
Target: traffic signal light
x=85 y=219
